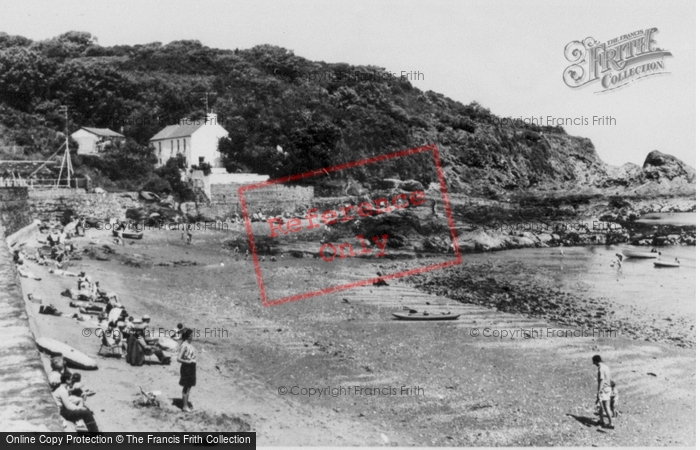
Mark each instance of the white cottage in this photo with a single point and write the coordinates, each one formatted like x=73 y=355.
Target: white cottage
x=92 y=140
x=198 y=140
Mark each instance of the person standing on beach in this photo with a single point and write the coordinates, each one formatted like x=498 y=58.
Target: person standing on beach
x=189 y=233
x=604 y=391
x=188 y=369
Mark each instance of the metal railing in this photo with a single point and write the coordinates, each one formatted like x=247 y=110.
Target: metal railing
x=52 y=183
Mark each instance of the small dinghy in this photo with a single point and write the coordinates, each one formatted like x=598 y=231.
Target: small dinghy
x=425 y=316
x=73 y=357
x=666 y=264
x=149 y=196
x=633 y=254
x=129 y=234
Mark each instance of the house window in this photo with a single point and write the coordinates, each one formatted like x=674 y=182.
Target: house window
x=172 y=147
x=160 y=148
x=201 y=159
x=178 y=145
x=184 y=145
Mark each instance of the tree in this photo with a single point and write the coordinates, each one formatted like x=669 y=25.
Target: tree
x=123 y=161
x=171 y=172
x=24 y=76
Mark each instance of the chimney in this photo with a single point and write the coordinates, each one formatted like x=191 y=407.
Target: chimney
x=210 y=119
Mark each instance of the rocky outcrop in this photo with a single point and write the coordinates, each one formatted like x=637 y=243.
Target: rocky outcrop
x=658 y=166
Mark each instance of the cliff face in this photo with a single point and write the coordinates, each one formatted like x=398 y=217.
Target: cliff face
x=495 y=161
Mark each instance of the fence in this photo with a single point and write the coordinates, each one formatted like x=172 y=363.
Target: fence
x=50 y=183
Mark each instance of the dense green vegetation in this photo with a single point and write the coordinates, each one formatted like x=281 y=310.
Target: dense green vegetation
x=265 y=98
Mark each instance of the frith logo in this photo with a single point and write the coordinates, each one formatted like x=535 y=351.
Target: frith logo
x=615 y=63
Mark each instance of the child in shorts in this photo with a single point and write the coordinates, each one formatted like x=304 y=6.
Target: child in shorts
x=614 y=398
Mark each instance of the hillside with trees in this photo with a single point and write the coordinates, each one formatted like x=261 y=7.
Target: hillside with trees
x=320 y=113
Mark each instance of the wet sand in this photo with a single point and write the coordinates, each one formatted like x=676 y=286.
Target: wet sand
x=473 y=390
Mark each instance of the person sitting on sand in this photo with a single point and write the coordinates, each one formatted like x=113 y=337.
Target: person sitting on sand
x=53 y=238
x=112 y=302
x=604 y=391
x=17 y=258
x=123 y=336
x=58 y=366
x=75 y=387
x=59 y=260
x=83 y=278
x=188 y=369
x=137 y=349
x=80 y=227
x=40 y=259
x=614 y=398
x=111 y=337
x=100 y=292
x=134 y=352
x=69 y=410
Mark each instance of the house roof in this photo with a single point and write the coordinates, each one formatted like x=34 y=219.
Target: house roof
x=176 y=131
x=106 y=132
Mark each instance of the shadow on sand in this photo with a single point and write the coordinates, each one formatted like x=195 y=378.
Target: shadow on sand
x=587 y=421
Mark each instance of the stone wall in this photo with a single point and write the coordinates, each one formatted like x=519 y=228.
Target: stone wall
x=59 y=204
x=26 y=403
x=14 y=213
x=271 y=199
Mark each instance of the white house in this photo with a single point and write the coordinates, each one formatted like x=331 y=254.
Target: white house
x=198 y=140
x=92 y=140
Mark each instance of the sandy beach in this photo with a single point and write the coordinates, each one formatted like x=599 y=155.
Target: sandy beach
x=406 y=383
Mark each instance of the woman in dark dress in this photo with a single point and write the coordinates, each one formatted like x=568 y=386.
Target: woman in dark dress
x=188 y=370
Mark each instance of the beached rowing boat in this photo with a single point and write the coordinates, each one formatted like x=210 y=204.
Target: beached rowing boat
x=666 y=264
x=633 y=254
x=423 y=316
x=73 y=357
x=129 y=234
x=149 y=196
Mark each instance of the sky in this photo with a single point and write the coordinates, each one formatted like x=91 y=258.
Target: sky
x=507 y=55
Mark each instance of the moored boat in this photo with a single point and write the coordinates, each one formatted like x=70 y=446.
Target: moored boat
x=425 y=316
x=666 y=264
x=635 y=254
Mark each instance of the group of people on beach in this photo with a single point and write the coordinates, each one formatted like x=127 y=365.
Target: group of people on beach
x=120 y=332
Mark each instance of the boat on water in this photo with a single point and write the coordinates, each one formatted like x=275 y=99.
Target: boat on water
x=425 y=316
x=635 y=254
x=666 y=264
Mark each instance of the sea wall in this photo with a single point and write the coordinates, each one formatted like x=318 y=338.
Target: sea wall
x=26 y=403
x=13 y=208
x=61 y=204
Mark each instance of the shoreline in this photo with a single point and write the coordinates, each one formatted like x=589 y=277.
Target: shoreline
x=330 y=342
